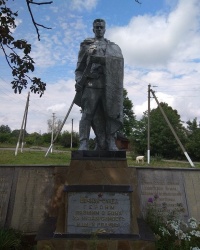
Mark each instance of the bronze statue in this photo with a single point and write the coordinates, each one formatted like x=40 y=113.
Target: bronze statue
x=99 y=87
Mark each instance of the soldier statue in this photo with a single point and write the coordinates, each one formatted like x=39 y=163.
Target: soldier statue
x=99 y=89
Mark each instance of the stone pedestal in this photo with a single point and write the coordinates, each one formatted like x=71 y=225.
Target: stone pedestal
x=96 y=206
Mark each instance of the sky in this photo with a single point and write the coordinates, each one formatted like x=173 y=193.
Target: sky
x=160 y=42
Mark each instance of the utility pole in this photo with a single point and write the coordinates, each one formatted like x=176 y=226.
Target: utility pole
x=148 y=132
x=72 y=134
x=52 y=130
x=174 y=133
x=60 y=128
x=23 y=126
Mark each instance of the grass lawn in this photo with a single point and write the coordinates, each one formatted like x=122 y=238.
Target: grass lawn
x=34 y=157
x=28 y=157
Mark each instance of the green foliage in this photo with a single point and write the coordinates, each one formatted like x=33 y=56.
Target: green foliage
x=129 y=117
x=139 y=136
x=34 y=139
x=37 y=156
x=5 y=129
x=170 y=230
x=46 y=138
x=15 y=133
x=193 y=143
x=65 y=139
x=162 y=141
x=92 y=143
x=4 y=137
x=10 y=239
x=5 y=132
x=17 y=53
x=34 y=157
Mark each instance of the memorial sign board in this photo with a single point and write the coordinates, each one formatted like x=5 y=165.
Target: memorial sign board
x=163 y=187
x=105 y=212
x=6 y=180
x=33 y=193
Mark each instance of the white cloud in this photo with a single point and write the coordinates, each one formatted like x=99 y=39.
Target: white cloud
x=153 y=40
x=56 y=107
x=83 y=4
x=57 y=99
x=159 y=50
x=60 y=45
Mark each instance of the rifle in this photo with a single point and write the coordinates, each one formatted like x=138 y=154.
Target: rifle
x=76 y=100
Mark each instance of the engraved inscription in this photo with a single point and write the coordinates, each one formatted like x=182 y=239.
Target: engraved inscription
x=5 y=189
x=167 y=191
x=98 y=212
x=34 y=190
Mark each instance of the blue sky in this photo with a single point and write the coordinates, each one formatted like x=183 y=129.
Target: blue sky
x=160 y=41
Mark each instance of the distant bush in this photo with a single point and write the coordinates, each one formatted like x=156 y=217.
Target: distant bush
x=4 y=137
x=10 y=239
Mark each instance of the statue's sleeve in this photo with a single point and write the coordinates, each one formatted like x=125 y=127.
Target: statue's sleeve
x=82 y=62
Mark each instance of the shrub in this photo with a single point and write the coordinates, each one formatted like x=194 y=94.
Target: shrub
x=170 y=231
x=10 y=239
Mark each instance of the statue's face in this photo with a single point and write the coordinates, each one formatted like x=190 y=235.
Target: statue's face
x=99 y=29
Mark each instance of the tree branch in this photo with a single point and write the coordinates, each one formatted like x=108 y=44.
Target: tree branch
x=28 y=2
x=41 y=25
x=40 y=3
x=6 y=56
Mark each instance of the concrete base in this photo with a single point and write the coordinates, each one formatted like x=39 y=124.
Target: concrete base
x=91 y=172
x=95 y=244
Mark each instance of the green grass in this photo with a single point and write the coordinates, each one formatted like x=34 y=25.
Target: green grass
x=34 y=157
x=7 y=157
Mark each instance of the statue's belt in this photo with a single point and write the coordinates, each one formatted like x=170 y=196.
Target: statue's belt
x=93 y=75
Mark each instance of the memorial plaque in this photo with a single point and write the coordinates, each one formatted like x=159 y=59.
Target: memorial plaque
x=33 y=193
x=6 y=179
x=105 y=212
x=165 y=188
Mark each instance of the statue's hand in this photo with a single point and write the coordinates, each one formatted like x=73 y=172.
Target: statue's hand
x=78 y=87
x=92 y=50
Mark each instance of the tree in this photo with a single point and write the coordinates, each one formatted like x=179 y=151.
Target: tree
x=192 y=126
x=46 y=138
x=65 y=140
x=17 y=52
x=139 y=135
x=34 y=139
x=193 y=143
x=15 y=133
x=129 y=117
x=5 y=133
x=162 y=141
x=57 y=125
x=5 y=129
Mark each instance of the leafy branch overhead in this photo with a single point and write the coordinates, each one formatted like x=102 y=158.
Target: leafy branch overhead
x=17 y=52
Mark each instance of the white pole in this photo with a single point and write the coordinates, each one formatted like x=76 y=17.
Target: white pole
x=173 y=131
x=148 y=156
x=23 y=120
x=60 y=128
x=72 y=134
x=148 y=133
x=190 y=161
x=52 y=130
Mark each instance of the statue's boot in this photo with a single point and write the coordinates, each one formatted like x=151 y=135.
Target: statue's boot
x=100 y=142
x=84 y=133
x=110 y=136
x=111 y=143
